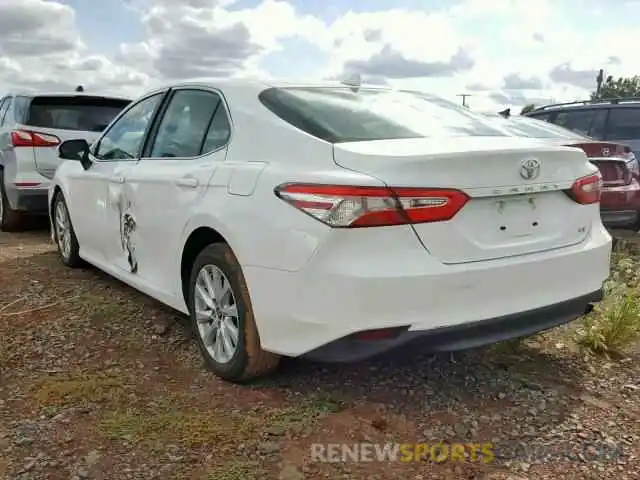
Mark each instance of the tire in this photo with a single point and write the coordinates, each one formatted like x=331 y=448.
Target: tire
x=10 y=220
x=69 y=255
x=248 y=360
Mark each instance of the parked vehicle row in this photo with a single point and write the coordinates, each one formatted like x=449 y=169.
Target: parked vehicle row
x=620 y=200
x=31 y=129
x=332 y=222
x=614 y=120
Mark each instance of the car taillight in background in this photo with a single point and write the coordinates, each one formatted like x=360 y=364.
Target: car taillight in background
x=613 y=173
x=27 y=138
x=586 y=190
x=342 y=206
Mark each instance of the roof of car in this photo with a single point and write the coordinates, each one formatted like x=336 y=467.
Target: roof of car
x=66 y=94
x=259 y=84
x=623 y=102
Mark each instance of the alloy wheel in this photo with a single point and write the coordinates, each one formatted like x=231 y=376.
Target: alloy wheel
x=216 y=314
x=63 y=229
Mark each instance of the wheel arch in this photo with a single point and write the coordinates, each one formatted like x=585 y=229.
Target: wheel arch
x=199 y=237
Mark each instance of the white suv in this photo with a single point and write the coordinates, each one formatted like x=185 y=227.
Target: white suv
x=31 y=128
x=332 y=221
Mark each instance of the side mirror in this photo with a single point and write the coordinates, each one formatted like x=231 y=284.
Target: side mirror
x=75 y=150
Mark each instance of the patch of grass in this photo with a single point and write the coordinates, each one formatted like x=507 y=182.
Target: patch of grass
x=299 y=417
x=236 y=471
x=613 y=326
x=100 y=309
x=174 y=424
x=81 y=388
x=615 y=322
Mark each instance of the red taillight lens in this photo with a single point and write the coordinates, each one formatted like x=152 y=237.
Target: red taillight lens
x=27 y=138
x=341 y=206
x=586 y=190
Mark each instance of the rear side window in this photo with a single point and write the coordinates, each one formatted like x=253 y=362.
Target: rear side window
x=624 y=124
x=529 y=127
x=337 y=114
x=583 y=121
x=81 y=113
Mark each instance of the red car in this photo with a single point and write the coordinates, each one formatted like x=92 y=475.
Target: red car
x=620 y=201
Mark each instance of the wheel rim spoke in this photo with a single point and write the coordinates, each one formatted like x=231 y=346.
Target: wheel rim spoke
x=231 y=331
x=203 y=296
x=229 y=311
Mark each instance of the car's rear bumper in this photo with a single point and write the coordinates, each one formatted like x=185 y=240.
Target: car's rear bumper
x=463 y=336
x=30 y=199
x=352 y=286
x=619 y=206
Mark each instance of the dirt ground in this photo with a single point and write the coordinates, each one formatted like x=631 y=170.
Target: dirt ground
x=100 y=382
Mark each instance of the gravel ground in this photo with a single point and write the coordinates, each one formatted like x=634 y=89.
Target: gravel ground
x=100 y=382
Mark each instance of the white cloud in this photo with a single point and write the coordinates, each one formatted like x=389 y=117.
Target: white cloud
x=502 y=51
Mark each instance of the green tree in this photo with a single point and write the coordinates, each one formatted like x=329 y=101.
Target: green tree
x=618 y=87
x=527 y=108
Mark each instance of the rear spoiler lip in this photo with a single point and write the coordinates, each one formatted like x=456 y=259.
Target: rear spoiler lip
x=609 y=159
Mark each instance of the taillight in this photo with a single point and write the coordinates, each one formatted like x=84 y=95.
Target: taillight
x=632 y=164
x=586 y=190
x=341 y=206
x=27 y=138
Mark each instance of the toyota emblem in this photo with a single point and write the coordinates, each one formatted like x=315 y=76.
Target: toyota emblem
x=530 y=168
x=605 y=152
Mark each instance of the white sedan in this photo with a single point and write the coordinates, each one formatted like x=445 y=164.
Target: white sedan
x=332 y=221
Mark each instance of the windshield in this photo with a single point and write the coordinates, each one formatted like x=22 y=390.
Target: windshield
x=337 y=114
x=529 y=127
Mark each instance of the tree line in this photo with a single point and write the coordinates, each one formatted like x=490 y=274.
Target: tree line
x=611 y=88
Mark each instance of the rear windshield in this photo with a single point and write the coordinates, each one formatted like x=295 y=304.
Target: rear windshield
x=527 y=127
x=337 y=114
x=89 y=114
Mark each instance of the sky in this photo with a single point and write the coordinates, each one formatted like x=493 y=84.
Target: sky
x=505 y=53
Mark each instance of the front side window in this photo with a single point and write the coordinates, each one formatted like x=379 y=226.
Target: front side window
x=337 y=114
x=579 y=121
x=123 y=141
x=528 y=127
x=185 y=129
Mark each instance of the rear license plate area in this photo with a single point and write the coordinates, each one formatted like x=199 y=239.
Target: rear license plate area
x=517 y=217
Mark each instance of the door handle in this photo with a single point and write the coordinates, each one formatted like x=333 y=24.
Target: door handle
x=190 y=182
x=117 y=179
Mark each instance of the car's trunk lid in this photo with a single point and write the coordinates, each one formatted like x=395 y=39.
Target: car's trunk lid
x=507 y=215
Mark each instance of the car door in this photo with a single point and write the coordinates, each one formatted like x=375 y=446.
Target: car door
x=186 y=145
x=98 y=195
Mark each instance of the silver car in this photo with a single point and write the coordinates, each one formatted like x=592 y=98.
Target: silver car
x=31 y=128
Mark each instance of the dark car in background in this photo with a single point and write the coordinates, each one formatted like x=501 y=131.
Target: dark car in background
x=620 y=201
x=613 y=120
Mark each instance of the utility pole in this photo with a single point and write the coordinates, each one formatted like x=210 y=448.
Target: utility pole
x=464 y=98
x=599 y=80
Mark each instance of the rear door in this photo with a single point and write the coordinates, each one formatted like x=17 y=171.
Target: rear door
x=186 y=146
x=624 y=127
x=48 y=121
